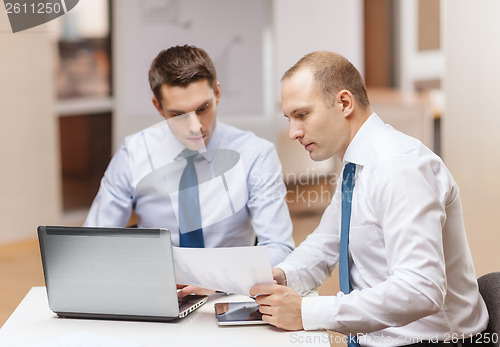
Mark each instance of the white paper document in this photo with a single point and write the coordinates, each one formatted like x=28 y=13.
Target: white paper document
x=232 y=270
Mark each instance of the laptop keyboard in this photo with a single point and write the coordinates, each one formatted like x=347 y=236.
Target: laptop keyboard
x=183 y=302
x=188 y=300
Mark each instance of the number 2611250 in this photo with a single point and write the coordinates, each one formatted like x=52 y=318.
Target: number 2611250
x=38 y=8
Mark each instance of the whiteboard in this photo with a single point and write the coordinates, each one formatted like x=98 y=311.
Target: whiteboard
x=232 y=32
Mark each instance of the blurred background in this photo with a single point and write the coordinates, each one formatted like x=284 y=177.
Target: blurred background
x=72 y=89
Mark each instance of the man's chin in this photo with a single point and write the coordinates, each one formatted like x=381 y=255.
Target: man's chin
x=195 y=145
x=317 y=156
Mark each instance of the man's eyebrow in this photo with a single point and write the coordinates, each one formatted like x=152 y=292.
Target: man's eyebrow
x=175 y=111
x=299 y=110
x=203 y=104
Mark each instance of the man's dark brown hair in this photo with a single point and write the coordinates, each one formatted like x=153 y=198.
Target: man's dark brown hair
x=180 y=66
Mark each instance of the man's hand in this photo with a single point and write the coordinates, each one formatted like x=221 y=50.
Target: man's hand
x=279 y=276
x=279 y=305
x=188 y=290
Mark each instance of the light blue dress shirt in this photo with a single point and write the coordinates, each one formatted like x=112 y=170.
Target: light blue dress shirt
x=145 y=172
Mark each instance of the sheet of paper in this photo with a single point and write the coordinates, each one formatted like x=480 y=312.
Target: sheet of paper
x=84 y=338
x=232 y=270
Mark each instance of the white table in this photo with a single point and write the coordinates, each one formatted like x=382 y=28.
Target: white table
x=34 y=323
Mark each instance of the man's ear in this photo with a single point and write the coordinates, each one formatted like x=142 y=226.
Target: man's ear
x=158 y=106
x=346 y=101
x=217 y=93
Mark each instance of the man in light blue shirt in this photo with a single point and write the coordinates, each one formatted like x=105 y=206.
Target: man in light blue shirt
x=239 y=183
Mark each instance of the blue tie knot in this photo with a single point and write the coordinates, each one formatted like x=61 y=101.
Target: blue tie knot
x=349 y=171
x=348 y=184
x=190 y=155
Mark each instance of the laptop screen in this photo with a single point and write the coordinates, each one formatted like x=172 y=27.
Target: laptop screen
x=109 y=272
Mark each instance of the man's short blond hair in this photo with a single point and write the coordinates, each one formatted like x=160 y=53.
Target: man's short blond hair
x=332 y=73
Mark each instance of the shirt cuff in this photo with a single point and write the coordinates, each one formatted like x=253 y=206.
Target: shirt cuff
x=318 y=312
x=290 y=275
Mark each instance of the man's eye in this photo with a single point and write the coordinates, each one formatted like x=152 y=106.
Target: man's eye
x=301 y=115
x=203 y=109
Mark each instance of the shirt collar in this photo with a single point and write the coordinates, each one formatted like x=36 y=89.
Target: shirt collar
x=360 y=150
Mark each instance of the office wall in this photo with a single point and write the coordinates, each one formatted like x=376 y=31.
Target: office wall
x=302 y=27
x=295 y=27
x=241 y=55
x=29 y=184
x=471 y=124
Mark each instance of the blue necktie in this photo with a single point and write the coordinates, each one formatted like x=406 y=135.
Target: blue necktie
x=345 y=282
x=190 y=231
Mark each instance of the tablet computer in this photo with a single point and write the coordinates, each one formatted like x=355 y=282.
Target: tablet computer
x=238 y=313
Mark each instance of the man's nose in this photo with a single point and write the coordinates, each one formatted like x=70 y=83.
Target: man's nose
x=194 y=122
x=295 y=131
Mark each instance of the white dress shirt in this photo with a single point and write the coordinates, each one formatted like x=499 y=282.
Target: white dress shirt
x=242 y=194
x=410 y=264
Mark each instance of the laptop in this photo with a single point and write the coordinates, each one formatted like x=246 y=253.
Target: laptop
x=112 y=273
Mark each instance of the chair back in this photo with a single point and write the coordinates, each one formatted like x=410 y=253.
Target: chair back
x=489 y=287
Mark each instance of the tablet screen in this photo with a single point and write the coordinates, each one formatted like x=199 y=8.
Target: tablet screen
x=238 y=313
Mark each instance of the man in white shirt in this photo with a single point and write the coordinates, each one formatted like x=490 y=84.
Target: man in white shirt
x=409 y=264
x=240 y=193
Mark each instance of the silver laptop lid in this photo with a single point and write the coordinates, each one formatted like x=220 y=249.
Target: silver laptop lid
x=123 y=273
